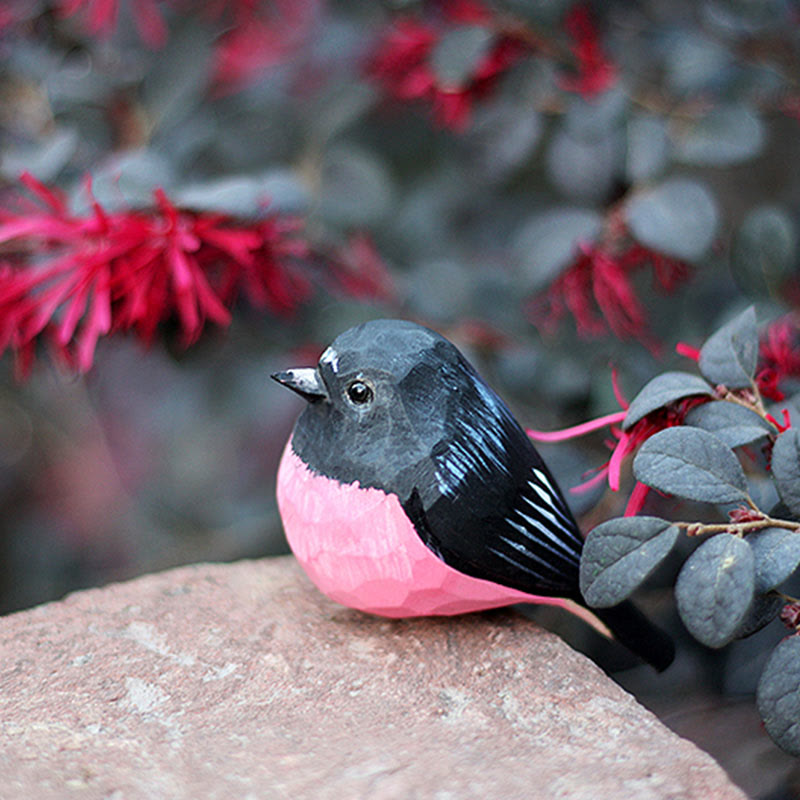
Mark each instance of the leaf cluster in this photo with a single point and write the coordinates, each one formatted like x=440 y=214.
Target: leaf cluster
x=729 y=587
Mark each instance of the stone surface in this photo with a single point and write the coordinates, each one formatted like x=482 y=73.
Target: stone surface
x=244 y=681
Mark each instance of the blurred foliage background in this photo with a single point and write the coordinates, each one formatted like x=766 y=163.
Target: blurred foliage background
x=561 y=188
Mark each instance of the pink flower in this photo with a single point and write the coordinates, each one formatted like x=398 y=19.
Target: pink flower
x=594 y=72
x=790 y=616
x=687 y=351
x=778 y=360
x=258 y=33
x=359 y=271
x=100 y=18
x=598 y=292
x=791 y=106
x=261 y=35
x=778 y=357
x=624 y=443
x=72 y=279
x=402 y=62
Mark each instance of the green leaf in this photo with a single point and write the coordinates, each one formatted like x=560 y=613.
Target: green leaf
x=597 y=117
x=691 y=463
x=45 y=159
x=549 y=241
x=776 y=554
x=178 y=83
x=661 y=391
x=678 y=217
x=356 y=186
x=730 y=355
x=584 y=168
x=456 y=56
x=246 y=196
x=714 y=590
x=734 y=424
x=764 y=609
x=786 y=468
x=648 y=147
x=694 y=62
x=503 y=136
x=620 y=554
x=778 y=695
x=726 y=135
x=128 y=180
x=339 y=106
x=764 y=252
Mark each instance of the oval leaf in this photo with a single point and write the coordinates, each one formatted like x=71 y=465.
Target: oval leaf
x=175 y=87
x=548 y=242
x=776 y=554
x=691 y=463
x=734 y=424
x=584 y=169
x=730 y=355
x=597 y=116
x=764 y=251
x=356 y=187
x=715 y=587
x=764 y=609
x=648 y=147
x=246 y=196
x=128 y=179
x=456 y=56
x=726 y=135
x=786 y=468
x=503 y=136
x=620 y=554
x=678 y=218
x=694 y=61
x=662 y=390
x=45 y=159
x=778 y=695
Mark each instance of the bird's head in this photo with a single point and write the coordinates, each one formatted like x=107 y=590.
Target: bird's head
x=373 y=368
x=385 y=398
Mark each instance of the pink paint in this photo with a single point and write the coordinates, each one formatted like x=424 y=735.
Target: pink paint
x=361 y=550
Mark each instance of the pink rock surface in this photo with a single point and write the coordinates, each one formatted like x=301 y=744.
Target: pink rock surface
x=244 y=681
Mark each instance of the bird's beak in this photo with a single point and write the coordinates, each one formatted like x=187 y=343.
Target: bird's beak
x=304 y=380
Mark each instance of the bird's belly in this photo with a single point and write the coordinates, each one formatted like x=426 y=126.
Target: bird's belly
x=361 y=550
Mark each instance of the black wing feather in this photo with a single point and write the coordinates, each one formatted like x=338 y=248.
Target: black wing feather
x=498 y=513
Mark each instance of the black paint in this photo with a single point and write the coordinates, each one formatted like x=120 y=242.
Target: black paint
x=441 y=440
x=434 y=434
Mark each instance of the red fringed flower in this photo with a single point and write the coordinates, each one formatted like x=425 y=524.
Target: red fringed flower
x=358 y=269
x=594 y=73
x=402 y=62
x=261 y=35
x=100 y=18
x=778 y=357
x=597 y=291
x=74 y=278
x=624 y=443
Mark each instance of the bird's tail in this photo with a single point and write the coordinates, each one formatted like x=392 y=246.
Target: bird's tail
x=632 y=629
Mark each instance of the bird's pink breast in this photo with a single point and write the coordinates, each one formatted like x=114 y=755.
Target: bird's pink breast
x=359 y=548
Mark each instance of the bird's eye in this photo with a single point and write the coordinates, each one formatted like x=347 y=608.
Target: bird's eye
x=359 y=393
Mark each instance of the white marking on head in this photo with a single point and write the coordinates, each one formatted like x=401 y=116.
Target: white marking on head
x=331 y=357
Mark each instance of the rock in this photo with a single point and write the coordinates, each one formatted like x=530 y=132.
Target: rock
x=241 y=680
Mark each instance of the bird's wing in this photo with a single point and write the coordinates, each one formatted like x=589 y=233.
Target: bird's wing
x=498 y=513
